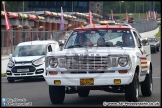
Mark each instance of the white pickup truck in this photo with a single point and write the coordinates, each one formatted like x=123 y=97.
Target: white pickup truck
x=101 y=62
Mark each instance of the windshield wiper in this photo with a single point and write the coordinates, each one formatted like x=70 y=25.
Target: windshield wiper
x=72 y=46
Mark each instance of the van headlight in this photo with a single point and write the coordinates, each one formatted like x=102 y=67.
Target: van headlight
x=39 y=61
x=123 y=61
x=10 y=64
x=53 y=62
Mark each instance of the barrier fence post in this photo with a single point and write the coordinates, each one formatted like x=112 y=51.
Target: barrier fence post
x=11 y=40
x=7 y=40
x=2 y=40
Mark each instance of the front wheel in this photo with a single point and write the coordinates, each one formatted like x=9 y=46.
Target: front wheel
x=57 y=94
x=132 y=90
x=157 y=49
x=147 y=85
x=10 y=80
x=83 y=93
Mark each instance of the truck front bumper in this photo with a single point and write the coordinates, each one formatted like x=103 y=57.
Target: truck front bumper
x=99 y=79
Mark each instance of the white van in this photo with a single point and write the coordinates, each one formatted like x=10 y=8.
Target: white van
x=28 y=59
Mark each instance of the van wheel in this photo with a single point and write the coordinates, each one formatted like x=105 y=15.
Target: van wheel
x=57 y=94
x=83 y=93
x=147 y=85
x=132 y=90
x=10 y=80
x=157 y=49
x=154 y=50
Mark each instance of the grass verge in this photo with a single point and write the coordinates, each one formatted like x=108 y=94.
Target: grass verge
x=3 y=75
x=159 y=33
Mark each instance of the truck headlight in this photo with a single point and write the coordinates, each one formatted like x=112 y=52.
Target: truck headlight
x=53 y=62
x=10 y=64
x=39 y=61
x=62 y=62
x=123 y=61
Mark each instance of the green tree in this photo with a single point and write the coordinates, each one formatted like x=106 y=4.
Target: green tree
x=141 y=6
x=16 y=6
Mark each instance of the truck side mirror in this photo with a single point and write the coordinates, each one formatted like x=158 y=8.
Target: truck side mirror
x=61 y=42
x=144 y=41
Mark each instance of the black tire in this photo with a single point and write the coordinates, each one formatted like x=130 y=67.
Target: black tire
x=57 y=94
x=147 y=85
x=132 y=90
x=11 y=80
x=83 y=93
x=155 y=50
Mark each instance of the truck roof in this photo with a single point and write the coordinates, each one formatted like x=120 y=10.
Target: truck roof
x=98 y=26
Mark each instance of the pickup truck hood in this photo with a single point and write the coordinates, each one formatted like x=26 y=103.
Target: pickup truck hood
x=103 y=51
x=27 y=58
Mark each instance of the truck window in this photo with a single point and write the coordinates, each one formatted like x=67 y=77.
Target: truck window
x=49 y=48
x=137 y=38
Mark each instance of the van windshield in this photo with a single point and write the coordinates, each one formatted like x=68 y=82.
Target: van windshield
x=29 y=50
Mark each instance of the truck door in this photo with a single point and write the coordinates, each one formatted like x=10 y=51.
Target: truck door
x=142 y=57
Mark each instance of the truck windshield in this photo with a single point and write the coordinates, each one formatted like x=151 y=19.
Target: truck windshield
x=100 y=38
x=29 y=50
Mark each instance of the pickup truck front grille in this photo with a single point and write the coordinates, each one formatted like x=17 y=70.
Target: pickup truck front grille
x=86 y=62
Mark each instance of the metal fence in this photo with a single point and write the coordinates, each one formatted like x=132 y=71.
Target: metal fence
x=143 y=26
x=11 y=38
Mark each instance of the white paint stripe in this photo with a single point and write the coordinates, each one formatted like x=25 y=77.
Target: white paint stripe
x=143 y=60
x=143 y=65
x=144 y=69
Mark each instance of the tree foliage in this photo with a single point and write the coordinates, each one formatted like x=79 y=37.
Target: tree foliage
x=16 y=6
x=131 y=6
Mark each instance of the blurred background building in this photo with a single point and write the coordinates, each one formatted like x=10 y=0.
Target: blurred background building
x=68 y=6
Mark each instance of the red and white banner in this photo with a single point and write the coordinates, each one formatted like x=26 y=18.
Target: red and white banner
x=149 y=14
x=154 y=15
x=112 y=16
x=90 y=17
x=6 y=18
x=146 y=16
x=126 y=16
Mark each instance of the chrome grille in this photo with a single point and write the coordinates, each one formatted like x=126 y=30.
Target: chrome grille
x=86 y=62
x=23 y=62
x=31 y=68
